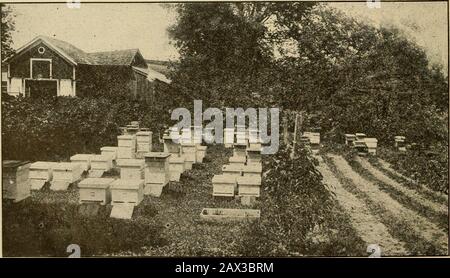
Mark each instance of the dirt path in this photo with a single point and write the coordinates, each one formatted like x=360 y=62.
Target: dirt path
x=439 y=208
x=386 y=166
x=369 y=228
x=429 y=231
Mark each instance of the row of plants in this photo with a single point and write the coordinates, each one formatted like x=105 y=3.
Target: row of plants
x=56 y=128
x=299 y=215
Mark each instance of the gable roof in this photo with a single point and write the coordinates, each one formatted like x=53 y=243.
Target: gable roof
x=77 y=56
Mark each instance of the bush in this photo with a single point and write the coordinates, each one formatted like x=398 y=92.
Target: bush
x=56 y=128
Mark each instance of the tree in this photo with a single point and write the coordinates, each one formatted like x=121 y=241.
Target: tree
x=7 y=27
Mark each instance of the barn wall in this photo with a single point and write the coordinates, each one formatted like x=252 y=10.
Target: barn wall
x=20 y=66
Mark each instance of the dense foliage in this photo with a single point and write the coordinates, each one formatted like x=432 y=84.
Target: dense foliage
x=8 y=26
x=55 y=129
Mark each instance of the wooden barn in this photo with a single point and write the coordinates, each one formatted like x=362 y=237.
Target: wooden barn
x=50 y=67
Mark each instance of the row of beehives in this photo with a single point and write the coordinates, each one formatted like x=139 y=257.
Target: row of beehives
x=242 y=175
x=362 y=143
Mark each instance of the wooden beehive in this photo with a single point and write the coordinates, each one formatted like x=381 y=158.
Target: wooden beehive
x=144 y=141
x=252 y=170
x=127 y=191
x=176 y=167
x=15 y=183
x=227 y=215
x=101 y=162
x=189 y=151
x=201 y=153
x=157 y=172
x=125 y=153
x=40 y=173
x=131 y=168
x=223 y=186
x=111 y=151
x=83 y=159
x=360 y=147
x=249 y=186
x=95 y=190
x=371 y=144
x=67 y=172
x=232 y=170
x=134 y=123
x=239 y=160
x=132 y=129
x=127 y=141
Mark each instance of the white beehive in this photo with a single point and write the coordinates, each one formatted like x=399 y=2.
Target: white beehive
x=201 y=153
x=40 y=173
x=134 y=123
x=66 y=172
x=189 y=151
x=144 y=141
x=249 y=186
x=314 y=138
x=95 y=190
x=223 y=186
x=128 y=141
x=228 y=137
x=111 y=151
x=176 y=167
x=239 y=160
x=125 y=153
x=371 y=144
x=101 y=162
x=232 y=170
x=252 y=170
x=127 y=191
x=83 y=159
x=131 y=168
x=132 y=129
x=15 y=183
x=157 y=172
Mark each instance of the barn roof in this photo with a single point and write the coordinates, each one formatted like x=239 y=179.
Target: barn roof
x=77 y=56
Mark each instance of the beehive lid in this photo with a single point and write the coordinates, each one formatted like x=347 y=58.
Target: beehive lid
x=249 y=180
x=360 y=135
x=125 y=137
x=127 y=184
x=400 y=138
x=157 y=155
x=237 y=159
x=253 y=168
x=130 y=162
x=223 y=179
x=65 y=166
x=134 y=123
x=81 y=156
x=144 y=129
x=109 y=149
x=350 y=135
x=144 y=133
x=359 y=144
x=95 y=182
x=100 y=157
x=13 y=163
x=232 y=168
x=42 y=165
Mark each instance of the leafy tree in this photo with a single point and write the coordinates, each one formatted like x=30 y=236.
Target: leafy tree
x=7 y=27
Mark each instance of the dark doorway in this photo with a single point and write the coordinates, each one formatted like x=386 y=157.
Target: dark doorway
x=41 y=88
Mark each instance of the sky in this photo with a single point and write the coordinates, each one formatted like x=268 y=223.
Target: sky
x=103 y=27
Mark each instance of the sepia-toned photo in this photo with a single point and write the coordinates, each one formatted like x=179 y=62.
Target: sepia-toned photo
x=224 y=129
